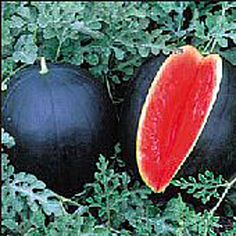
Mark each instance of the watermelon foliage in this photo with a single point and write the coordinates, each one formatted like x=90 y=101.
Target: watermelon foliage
x=113 y=40
x=111 y=44
x=105 y=206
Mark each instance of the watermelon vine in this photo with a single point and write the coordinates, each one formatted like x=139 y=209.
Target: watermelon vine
x=111 y=40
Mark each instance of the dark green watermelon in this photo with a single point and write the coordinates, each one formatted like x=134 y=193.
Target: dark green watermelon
x=215 y=150
x=61 y=122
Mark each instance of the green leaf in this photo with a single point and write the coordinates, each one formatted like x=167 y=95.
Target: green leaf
x=155 y=50
x=119 y=53
x=116 y=79
x=144 y=51
x=25 y=50
x=205 y=188
x=28 y=186
x=50 y=48
x=82 y=28
x=7 y=140
x=78 y=58
x=43 y=21
x=24 y=12
x=223 y=42
x=9 y=223
x=6 y=34
x=32 y=27
x=211 y=21
x=92 y=59
x=95 y=25
x=137 y=12
x=167 y=6
x=50 y=32
x=17 y=22
x=229 y=55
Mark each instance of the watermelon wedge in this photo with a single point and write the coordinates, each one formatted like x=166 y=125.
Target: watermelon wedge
x=175 y=111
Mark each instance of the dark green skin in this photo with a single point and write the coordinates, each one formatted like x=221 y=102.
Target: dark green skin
x=61 y=122
x=216 y=148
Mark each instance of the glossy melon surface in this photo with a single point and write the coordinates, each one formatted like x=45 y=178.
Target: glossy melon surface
x=61 y=122
x=179 y=118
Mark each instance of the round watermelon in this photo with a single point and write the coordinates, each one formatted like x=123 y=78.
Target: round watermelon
x=61 y=119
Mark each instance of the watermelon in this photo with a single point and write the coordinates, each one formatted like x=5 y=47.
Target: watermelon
x=179 y=117
x=61 y=119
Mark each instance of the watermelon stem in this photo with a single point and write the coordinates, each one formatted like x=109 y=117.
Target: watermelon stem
x=211 y=42
x=58 y=51
x=67 y=200
x=108 y=88
x=213 y=210
x=229 y=185
x=207 y=46
x=213 y=46
x=44 y=69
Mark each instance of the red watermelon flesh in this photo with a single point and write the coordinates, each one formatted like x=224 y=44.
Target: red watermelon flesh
x=176 y=108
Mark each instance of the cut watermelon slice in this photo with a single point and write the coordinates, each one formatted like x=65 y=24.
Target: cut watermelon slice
x=175 y=110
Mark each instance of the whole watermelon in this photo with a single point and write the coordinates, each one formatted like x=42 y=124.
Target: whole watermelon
x=61 y=121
